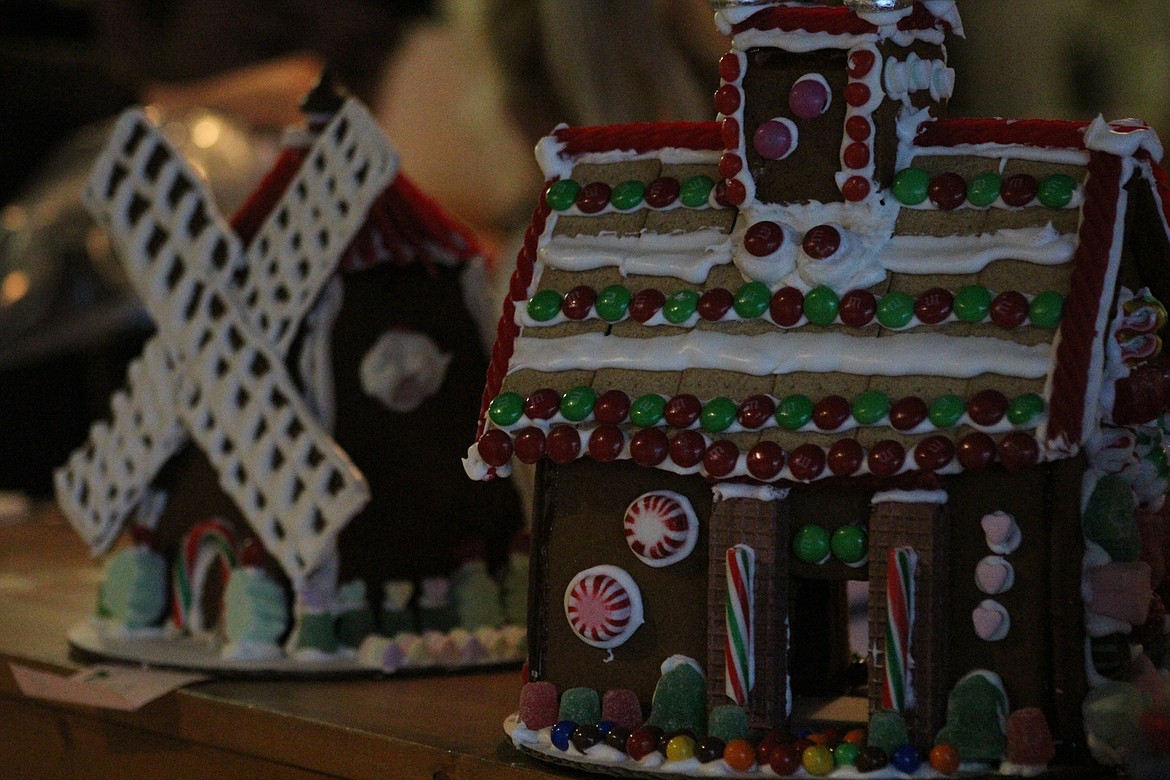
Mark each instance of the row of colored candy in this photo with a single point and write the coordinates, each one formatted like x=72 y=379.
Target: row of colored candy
x=765 y=461
x=949 y=190
x=985 y=409
x=814 y=545
x=789 y=307
x=663 y=192
x=819 y=753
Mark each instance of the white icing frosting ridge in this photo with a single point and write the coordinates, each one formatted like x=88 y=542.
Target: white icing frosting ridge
x=971 y=254
x=688 y=256
x=782 y=353
x=910 y=497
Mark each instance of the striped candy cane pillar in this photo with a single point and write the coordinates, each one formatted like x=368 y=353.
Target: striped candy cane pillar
x=897 y=692
x=739 y=653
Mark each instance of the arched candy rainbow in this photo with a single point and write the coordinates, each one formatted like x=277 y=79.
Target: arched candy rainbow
x=210 y=542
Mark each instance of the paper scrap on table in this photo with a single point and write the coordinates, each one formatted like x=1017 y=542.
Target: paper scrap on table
x=113 y=687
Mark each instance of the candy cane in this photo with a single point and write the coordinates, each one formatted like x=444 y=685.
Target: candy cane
x=204 y=545
x=897 y=692
x=739 y=654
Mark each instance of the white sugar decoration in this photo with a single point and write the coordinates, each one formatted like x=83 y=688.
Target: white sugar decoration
x=226 y=319
x=403 y=368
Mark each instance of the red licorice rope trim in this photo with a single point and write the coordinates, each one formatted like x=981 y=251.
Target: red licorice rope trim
x=1051 y=133
x=834 y=21
x=1078 y=330
x=640 y=138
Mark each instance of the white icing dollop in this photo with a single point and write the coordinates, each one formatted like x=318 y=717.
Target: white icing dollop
x=402 y=369
x=1123 y=138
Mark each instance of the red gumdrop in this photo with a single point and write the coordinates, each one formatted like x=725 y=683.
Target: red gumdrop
x=787 y=306
x=593 y=197
x=856 y=155
x=495 y=447
x=621 y=706
x=763 y=238
x=765 y=460
x=1009 y=309
x=714 y=304
x=855 y=189
x=682 y=410
x=730 y=164
x=857 y=94
x=729 y=130
x=885 y=458
x=858 y=128
x=645 y=304
x=976 y=451
x=611 y=407
x=1029 y=738
x=563 y=444
x=538 y=705
x=831 y=412
x=687 y=448
x=649 y=447
x=755 y=411
x=720 y=458
x=807 y=462
x=529 y=445
x=729 y=66
x=846 y=457
x=1019 y=190
x=987 y=407
x=728 y=99
x=934 y=453
x=908 y=413
x=948 y=191
x=857 y=308
x=578 y=302
x=1018 y=451
x=821 y=242
x=662 y=192
x=861 y=62
x=543 y=404
x=934 y=306
x=605 y=443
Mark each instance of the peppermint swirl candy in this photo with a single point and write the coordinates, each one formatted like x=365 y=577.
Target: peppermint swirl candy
x=661 y=528
x=603 y=606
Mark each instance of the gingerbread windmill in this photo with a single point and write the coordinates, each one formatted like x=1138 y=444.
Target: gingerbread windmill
x=215 y=373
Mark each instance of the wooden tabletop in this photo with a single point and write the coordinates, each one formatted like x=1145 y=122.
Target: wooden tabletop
x=435 y=727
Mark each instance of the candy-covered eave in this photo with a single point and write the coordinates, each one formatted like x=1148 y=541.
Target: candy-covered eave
x=567 y=146
x=808 y=28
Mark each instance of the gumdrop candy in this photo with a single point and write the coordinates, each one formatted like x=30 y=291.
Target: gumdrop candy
x=397 y=617
x=728 y=722
x=887 y=730
x=680 y=698
x=621 y=706
x=476 y=597
x=435 y=610
x=1109 y=519
x=1121 y=591
x=1029 y=740
x=314 y=633
x=976 y=708
x=355 y=619
x=581 y=705
x=1112 y=713
x=538 y=705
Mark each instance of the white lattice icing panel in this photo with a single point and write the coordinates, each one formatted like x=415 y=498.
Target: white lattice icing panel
x=215 y=370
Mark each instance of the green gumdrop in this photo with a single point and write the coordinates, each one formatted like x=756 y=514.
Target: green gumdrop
x=134 y=591
x=476 y=597
x=887 y=730
x=315 y=632
x=976 y=709
x=1112 y=711
x=1109 y=519
x=354 y=625
x=728 y=722
x=680 y=700
x=580 y=705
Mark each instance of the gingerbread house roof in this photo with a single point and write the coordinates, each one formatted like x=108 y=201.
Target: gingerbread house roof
x=630 y=333
x=801 y=27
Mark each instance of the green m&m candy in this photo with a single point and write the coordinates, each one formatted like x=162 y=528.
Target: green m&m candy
x=681 y=306
x=1025 y=408
x=895 y=310
x=850 y=544
x=947 y=410
x=871 y=407
x=627 y=195
x=561 y=195
x=911 y=186
x=696 y=190
x=972 y=303
x=811 y=544
x=752 y=300
x=1057 y=191
x=506 y=408
x=983 y=190
x=613 y=302
x=821 y=305
x=545 y=305
x=647 y=410
x=1046 y=309
x=794 y=412
x=577 y=404
x=718 y=415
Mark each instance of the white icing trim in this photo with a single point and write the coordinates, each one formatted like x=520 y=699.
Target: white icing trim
x=972 y=253
x=996 y=151
x=727 y=491
x=910 y=497
x=767 y=354
x=1102 y=136
x=555 y=163
x=316 y=357
x=687 y=256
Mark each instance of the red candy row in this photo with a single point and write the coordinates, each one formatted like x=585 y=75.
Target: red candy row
x=765 y=460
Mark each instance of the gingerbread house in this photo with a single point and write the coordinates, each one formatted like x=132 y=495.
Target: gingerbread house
x=835 y=337
x=312 y=359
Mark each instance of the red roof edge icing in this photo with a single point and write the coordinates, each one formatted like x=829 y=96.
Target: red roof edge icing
x=832 y=20
x=1051 y=133
x=1078 y=329
x=250 y=217
x=640 y=138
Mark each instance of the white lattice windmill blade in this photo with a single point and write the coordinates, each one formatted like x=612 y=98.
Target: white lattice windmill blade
x=222 y=378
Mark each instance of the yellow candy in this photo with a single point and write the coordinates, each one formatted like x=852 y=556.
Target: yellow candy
x=680 y=748
x=817 y=760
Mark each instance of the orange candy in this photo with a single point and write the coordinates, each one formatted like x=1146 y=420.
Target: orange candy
x=855 y=736
x=739 y=755
x=945 y=759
